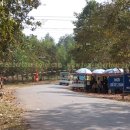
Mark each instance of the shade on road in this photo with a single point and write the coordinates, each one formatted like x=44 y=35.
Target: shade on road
x=53 y=107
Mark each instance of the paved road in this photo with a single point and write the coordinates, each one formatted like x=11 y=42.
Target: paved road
x=53 y=107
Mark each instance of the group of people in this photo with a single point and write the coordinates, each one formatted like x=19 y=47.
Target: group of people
x=97 y=85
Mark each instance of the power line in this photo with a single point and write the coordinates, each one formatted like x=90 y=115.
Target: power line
x=56 y=19
x=50 y=28
x=54 y=16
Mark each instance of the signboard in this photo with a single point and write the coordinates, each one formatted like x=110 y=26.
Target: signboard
x=116 y=82
x=127 y=83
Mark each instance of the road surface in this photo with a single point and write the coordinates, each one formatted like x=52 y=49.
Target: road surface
x=53 y=107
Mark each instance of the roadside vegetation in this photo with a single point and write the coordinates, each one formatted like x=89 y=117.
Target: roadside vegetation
x=10 y=113
x=100 y=40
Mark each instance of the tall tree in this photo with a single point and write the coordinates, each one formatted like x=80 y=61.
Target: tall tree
x=65 y=45
x=102 y=32
x=118 y=23
x=88 y=33
x=13 y=17
x=50 y=49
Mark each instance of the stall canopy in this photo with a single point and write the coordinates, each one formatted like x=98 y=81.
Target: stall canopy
x=84 y=71
x=113 y=70
x=98 y=71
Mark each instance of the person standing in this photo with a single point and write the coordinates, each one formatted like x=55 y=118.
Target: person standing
x=99 y=85
x=36 y=76
x=105 y=85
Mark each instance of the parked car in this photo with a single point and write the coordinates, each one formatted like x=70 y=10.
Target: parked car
x=65 y=78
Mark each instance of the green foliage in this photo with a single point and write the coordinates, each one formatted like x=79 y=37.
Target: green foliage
x=87 y=33
x=102 y=33
x=120 y=24
x=64 y=47
x=13 y=17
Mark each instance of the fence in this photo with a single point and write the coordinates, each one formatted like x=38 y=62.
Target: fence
x=26 y=72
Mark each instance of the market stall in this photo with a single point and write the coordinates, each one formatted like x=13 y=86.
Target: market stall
x=81 y=79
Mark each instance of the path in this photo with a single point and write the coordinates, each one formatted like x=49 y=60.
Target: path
x=53 y=107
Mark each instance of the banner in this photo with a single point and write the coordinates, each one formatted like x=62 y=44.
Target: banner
x=115 y=82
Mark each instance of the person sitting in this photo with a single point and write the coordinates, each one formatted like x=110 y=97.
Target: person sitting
x=105 y=85
x=94 y=84
x=99 y=85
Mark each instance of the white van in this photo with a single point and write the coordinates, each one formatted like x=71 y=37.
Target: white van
x=65 y=78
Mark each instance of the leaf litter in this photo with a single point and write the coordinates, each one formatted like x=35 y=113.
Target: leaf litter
x=10 y=113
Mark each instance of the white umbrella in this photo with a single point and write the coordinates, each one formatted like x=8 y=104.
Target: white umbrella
x=121 y=70
x=98 y=71
x=113 y=70
x=83 y=71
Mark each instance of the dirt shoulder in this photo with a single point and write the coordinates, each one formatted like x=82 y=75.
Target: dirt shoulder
x=117 y=97
x=10 y=113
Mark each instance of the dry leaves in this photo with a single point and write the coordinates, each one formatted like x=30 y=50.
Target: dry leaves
x=117 y=97
x=10 y=114
x=110 y=96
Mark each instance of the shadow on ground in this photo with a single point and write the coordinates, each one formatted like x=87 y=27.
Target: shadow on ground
x=77 y=116
x=92 y=116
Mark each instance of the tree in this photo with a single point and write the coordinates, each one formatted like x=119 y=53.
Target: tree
x=65 y=45
x=118 y=24
x=13 y=17
x=50 y=49
x=102 y=32
x=88 y=33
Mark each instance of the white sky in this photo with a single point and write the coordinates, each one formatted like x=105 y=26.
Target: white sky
x=56 y=17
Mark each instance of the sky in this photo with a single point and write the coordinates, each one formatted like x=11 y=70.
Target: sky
x=56 y=17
